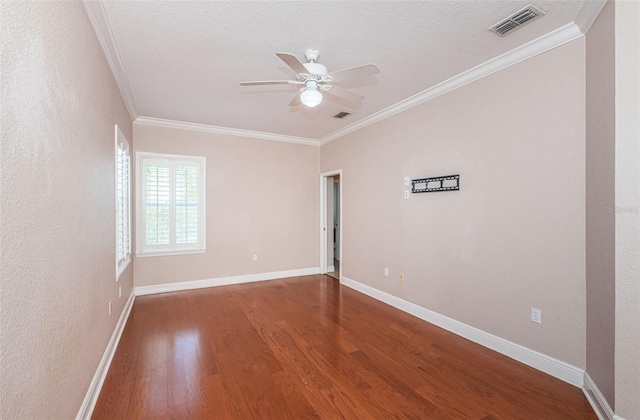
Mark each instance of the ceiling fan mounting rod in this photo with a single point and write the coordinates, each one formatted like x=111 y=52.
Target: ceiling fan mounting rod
x=311 y=55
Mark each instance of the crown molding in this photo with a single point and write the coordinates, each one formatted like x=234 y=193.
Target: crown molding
x=539 y=45
x=160 y=122
x=588 y=14
x=99 y=21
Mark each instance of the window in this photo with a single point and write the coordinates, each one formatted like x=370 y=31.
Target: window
x=123 y=203
x=171 y=204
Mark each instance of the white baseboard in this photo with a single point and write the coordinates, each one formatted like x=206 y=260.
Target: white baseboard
x=597 y=400
x=542 y=362
x=331 y=268
x=223 y=281
x=90 y=399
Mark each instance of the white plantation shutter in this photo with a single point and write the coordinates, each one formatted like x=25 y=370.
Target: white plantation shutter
x=172 y=203
x=157 y=198
x=123 y=203
x=186 y=203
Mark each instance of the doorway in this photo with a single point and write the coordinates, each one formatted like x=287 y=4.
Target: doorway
x=331 y=224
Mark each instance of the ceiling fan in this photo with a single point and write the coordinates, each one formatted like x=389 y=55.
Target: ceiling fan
x=315 y=80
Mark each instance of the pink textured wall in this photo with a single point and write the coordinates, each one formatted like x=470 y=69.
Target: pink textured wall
x=513 y=237
x=262 y=198
x=59 y=106
x=627 y=33
x=600 y=201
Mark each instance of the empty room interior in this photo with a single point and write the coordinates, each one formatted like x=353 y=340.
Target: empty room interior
x=318 y=209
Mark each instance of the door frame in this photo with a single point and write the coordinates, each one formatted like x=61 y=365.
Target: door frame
x=324 y=231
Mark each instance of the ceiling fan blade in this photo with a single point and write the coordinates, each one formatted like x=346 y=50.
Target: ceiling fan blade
x=344 y=94
x=296 y=100
x=354 y=72
x=270 y=82
x=293 y=62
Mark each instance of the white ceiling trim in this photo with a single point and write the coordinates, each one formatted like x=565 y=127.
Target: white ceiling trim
x=539 y=45
x=588 y=14
x=160 y=122
x=97 y=16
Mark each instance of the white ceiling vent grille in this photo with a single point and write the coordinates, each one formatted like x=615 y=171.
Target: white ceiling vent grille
x=515 y=21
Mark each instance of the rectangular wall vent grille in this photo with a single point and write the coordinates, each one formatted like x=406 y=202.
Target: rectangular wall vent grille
x=518 y=19
x=341 y=114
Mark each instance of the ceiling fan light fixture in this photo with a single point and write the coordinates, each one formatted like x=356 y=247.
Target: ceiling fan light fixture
x=316 y=80
x=311 y=97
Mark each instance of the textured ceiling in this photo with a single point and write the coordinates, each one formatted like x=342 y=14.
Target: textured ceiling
x=184 y=59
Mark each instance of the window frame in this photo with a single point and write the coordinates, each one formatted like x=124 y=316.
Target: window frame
x=143 y=250
x=122 y=264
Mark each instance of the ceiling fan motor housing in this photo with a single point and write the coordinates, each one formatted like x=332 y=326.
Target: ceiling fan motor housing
x=317 y=71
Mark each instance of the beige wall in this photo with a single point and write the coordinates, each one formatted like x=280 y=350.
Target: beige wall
x=59 y=106
x=600 y=201
x=262 y=198
x=513 y=237
x=627 y=209
x=613 y=202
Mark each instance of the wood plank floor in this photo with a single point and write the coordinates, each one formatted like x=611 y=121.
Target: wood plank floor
x=306 y=348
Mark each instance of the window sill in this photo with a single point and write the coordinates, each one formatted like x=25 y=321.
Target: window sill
x=123 y=268
x=141 y=254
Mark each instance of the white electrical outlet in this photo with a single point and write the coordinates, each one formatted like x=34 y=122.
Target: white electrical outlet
x=120 y=291
x=255 y=257
x=109 y=308
x=386 y=272
x=406 y=193
x=407 y=181
x=536 y=315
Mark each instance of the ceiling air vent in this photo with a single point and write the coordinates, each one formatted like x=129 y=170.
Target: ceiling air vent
x=519 y=18
x=341 y=115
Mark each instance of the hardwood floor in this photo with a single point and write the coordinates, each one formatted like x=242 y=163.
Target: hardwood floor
x=306 y=348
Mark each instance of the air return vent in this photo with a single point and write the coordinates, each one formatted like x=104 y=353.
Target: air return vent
x=519 y=18
x=341 y=115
